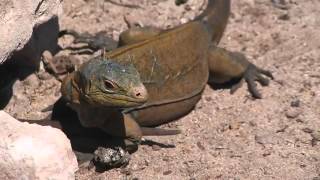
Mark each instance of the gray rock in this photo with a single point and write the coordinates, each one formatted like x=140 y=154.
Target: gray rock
x=106 y=158
x=31 y=151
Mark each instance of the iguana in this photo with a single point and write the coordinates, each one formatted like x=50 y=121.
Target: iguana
x=174 y=66
x=100 y=89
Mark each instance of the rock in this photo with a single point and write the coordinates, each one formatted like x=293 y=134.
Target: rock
x=106 y=158
x=315 y=135
x=156 y=147
x=31 y=151
x=284 y=17
x=25 y=25
x=307 y=130
x=28 y=27
x=295 y=103
x=293 y=113
x=200 y=146
x=167 y=172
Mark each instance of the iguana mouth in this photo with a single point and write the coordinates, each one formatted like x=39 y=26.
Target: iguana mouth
x=125 y=98
x=137 y=95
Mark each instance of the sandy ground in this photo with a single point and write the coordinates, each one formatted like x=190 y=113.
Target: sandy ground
x=225 y=136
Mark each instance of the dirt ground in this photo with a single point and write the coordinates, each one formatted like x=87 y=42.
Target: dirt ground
x=225 y=136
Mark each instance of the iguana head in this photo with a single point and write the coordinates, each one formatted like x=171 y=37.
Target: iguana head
x=102 y=82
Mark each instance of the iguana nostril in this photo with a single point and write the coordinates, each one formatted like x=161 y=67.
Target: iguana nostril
x=140 y=93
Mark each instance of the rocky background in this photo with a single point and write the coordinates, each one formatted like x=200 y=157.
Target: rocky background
x=225 y=136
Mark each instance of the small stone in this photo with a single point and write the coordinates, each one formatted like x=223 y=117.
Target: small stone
x=307 y=130
x=126 y=171
x=281 y=4
x=208 y=98
x=284 y=17
x=166 y=159
x=295 y=103
x=200 y=146
x=265 y=154
x=316 y=135
x=187 y=7
x=264 y=139
x=252 y=123
x=303 y=165
x=282 y=129
x=293 y=113
x=146 y=162
x=106 y=158
x=167 y=172
x=299 y=120
x=156 y=147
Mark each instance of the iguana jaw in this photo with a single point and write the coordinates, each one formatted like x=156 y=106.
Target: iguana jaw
x=135 y=97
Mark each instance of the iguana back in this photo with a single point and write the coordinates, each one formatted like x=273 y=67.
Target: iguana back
x=173 y=65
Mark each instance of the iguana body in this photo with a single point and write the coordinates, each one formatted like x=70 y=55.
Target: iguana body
x=98 y=92
x=174 y=65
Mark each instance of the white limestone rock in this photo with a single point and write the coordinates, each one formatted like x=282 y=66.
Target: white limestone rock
x=31 y=151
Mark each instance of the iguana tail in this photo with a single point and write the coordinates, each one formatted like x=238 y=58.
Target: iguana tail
x=149 y=131
x=215 y=18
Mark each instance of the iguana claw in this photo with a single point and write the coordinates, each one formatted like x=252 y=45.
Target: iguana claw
x=252 y=74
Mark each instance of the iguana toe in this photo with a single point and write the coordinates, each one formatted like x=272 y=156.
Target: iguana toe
x=253 y=74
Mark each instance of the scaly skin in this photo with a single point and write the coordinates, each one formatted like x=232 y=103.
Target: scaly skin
x=174 y=65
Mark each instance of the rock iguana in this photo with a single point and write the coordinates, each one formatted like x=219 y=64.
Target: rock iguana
x=174 y=66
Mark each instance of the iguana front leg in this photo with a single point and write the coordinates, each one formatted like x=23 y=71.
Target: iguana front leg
x=225 y=66
x=118 y=124
x=123 y=126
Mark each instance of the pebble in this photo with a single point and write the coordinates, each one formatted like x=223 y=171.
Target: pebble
x=187 y=8
x=167 y=172
x=208 y=98
x=156 y=147
x=284 y=17
x=295 y=103
x=126 y=171
x=316 y=135
x=105 y=158
x=200 y=146
x=293 y=113
x=307 y=130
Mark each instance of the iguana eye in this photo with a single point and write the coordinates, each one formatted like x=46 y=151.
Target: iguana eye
x=109 y=84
